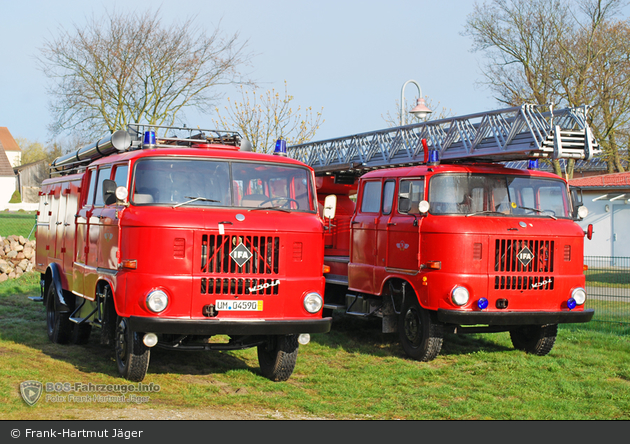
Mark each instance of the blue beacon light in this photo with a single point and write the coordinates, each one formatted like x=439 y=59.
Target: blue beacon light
x=482 y=303
x=532 y=164
x=571 y=303
x=149 y=139
x=281 y=148
x=434 y=157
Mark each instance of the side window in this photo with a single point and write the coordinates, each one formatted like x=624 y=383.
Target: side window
x=388 y=196
x=371 y=197
x=120 y=175
x=103 y=174
x=414 y=191
x=90 y=195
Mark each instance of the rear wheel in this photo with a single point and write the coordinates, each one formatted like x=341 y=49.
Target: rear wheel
x=278 y=356
x=132 y=356
x=420 y=335
x=58 y=324
x=535 y=339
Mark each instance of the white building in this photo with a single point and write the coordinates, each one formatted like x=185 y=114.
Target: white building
x=607 y=198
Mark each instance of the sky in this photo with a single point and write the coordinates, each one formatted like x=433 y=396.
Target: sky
x=347 y=58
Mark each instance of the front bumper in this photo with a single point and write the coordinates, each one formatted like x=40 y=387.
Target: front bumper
x=513 y=318
x=210 y=327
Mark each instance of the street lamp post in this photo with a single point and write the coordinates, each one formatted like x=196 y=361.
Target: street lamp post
x=421 y=110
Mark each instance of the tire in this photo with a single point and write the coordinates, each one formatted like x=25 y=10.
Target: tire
x=132 y=356
x=535 y=339
x=58 y=324
x=278 y=356
x=421 y=337
x=81 y=333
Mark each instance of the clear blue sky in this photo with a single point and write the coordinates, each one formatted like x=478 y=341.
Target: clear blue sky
x=349 y=57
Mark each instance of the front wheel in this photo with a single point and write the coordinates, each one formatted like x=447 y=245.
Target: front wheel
x=420 y=335
x=535 y=339
x=278 y=356
x=58 y=324
x=132 y=356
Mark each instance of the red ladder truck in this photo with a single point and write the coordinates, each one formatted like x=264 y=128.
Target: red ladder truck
x=178 y=241
x=427 y=228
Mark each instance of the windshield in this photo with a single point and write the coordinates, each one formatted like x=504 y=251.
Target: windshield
x=210 y=183
x=479 y=194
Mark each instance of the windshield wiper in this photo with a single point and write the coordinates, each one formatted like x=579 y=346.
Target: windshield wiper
x=270 y=208
x=485 y=212
x=539 y=212
x=194 y=199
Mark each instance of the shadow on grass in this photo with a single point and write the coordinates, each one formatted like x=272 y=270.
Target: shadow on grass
x=24 y=322
x=364 y=335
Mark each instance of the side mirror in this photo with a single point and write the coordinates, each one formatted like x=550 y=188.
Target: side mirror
x=330 y=206
x=404 y=204
x=109 y=192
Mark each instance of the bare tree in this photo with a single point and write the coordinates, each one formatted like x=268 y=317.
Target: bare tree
x=262 y=118
x=124 y=68
x=557 y=51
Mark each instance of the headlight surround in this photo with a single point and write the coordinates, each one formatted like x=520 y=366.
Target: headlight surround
x=579 y=295
x=460 y=296
x=313 y=302
x=157 y=301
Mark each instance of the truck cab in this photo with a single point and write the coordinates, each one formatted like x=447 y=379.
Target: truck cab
x=186 y=243
x=465 y=247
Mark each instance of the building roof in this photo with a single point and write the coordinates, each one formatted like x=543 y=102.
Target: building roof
x=5 y=166
x=7 y=141
x=607 y=181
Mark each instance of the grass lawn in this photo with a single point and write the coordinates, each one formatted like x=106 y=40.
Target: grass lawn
x=353 y=372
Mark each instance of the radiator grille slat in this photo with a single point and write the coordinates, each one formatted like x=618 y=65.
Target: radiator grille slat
x=524 y=264
x=257 y=275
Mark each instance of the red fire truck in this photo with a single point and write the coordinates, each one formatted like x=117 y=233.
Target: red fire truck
x=452 y=239
x=187 y=242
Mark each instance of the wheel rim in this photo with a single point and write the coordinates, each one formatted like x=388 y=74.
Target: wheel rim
x=121 y=341
x=413 y=326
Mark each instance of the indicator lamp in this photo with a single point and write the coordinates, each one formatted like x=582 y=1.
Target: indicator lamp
x=281 y=148
x=532 y=164
x=434 y=157
x=149 y=139
x=571 y=303
x=482 y=303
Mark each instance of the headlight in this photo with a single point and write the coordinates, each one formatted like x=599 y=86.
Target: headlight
x=157 y=301
x=459 y=296
x=579 y=294
x=313 y=302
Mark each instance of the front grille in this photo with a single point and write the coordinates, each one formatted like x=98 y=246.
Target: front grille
x=524 y=264
x=258 y=270
x=216 y=249
x=239 y=286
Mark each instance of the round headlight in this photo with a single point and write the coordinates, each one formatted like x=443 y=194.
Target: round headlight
x=459 y=296
x=582 y=212
x=157 y=301
x=579 y=294
x=313 y=302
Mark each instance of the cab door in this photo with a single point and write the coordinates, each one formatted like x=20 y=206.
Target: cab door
x=84 y=214
x=403 y=238
x=109 y=230
x=363 y=252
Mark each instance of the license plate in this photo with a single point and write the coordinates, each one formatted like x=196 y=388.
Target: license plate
x=239 y=305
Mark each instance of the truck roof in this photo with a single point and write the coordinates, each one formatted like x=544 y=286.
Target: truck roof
x=472 y=167
x=210 y=151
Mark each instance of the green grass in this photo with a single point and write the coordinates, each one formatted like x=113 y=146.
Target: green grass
x=20 y=223
x=353 y=372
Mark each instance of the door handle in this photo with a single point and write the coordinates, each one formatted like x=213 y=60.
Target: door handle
x=391 y=223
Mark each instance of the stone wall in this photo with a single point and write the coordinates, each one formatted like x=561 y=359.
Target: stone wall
x=17 y=256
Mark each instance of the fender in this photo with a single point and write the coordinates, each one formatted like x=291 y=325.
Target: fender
x=61 y=301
